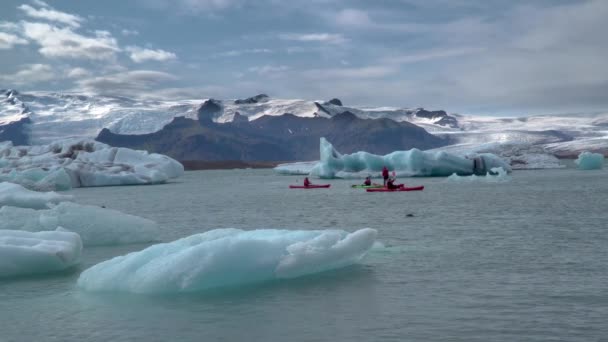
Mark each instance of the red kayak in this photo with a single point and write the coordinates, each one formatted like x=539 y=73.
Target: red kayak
x=403 y=188
x=312 y=186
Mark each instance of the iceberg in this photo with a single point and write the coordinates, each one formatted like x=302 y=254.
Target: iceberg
x=590 y=161
x=25 y=253
x=404 y=163
x=83 y=163
x=228 y=258
x=95 y=225
x=496 y=175
x=17 y=196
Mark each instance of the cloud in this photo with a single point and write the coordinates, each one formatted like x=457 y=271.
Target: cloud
x=52 y=15
x=236 y=53
x=139 y=55
x=7 y=41
x=127 y=32
x=30 y=74
x=191 y=7
x=329 y=38
x=353 y=18
x=63 y=42
x=78 y=73
x=133 y=82
x=423 y=56
x=268 y=69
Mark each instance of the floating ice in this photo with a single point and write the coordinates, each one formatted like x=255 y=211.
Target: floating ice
x=405 y=163
x=95 y=225
x=299 y=168
x=496 y=175
x=82 y=163
x=590 y=161
x=17 y=196
x=228 y=257
x=24 y=253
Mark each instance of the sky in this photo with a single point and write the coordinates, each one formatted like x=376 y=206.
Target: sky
x=493 y=57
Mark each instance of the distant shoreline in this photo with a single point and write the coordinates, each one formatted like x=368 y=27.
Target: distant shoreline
x=192 y=165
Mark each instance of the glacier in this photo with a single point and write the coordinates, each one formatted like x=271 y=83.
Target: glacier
x=410 y=163
x=95 y=225
x=82 y=163
x=27 y=253
x=228 y=258
x=17 y=196
x=590 y=161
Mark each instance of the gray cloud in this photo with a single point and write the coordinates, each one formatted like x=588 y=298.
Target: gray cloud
x=30 y=74
x=131 y=82
x=8 y=41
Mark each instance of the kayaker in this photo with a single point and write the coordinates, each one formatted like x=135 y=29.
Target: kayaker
x=385 y=174
x=368 y=181
x=390 y=184
x=306 y=182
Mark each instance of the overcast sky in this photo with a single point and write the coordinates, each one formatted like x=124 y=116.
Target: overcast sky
x=496 y=57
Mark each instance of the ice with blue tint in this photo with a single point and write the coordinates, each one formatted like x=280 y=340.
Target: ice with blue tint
x=95 y=225
x=590 y=161
x=16 y=195
x=82 y=163
x=26 y=253
x=410 y=163
x=496 y=175
x=228 y=258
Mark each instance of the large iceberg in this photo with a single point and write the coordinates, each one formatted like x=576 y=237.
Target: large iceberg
x=82 y=163
x=410 y=163
x=496 y=175
x=228 y=258
x=590 y=161
x=95 y=225
x=25 y=253
x=17 y=196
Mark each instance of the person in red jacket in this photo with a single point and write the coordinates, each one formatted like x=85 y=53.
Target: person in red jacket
x=368 y=181
x=385 y=174
x=306 y=182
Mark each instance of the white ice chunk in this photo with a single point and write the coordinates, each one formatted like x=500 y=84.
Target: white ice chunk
x=228 y=258
x=17 y=196
x=405 y=163
x=95 y=225
x=590 y=161
x=74 y=163
x=24 y=253
x=496 y=175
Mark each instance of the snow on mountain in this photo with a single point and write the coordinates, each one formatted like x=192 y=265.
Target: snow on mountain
x=72 y=115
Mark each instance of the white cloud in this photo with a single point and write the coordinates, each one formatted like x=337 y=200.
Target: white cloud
x=40 y=3
x=63 y=42
x=135 y=81
x=329 y=38
x=7 y=41
x=268 y=69
x=127 y=32
x=352 y=18
x=30 y=74
x=349 y=73
x=192 y=7
x=236 y=53
x=423 y=56
x=139 y=55
x=52 y=15
x=78 y=73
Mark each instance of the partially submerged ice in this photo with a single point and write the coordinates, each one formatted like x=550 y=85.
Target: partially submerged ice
x=590 y=161
x=228 y=258
x=95 y=225
x=26 y=253
x=16 y=195
x=495 y=175
x=82 y=163
x=410 y=163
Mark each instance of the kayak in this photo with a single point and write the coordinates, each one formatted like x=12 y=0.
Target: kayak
x=403 y=188
x=361 y=186
x=312 y=186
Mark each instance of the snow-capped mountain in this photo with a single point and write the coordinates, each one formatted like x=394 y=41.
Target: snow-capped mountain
x=60 y=115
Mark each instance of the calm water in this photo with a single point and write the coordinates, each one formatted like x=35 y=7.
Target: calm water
x=525 y=260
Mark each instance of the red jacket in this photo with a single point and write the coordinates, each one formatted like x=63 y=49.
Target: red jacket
x=384 y=172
